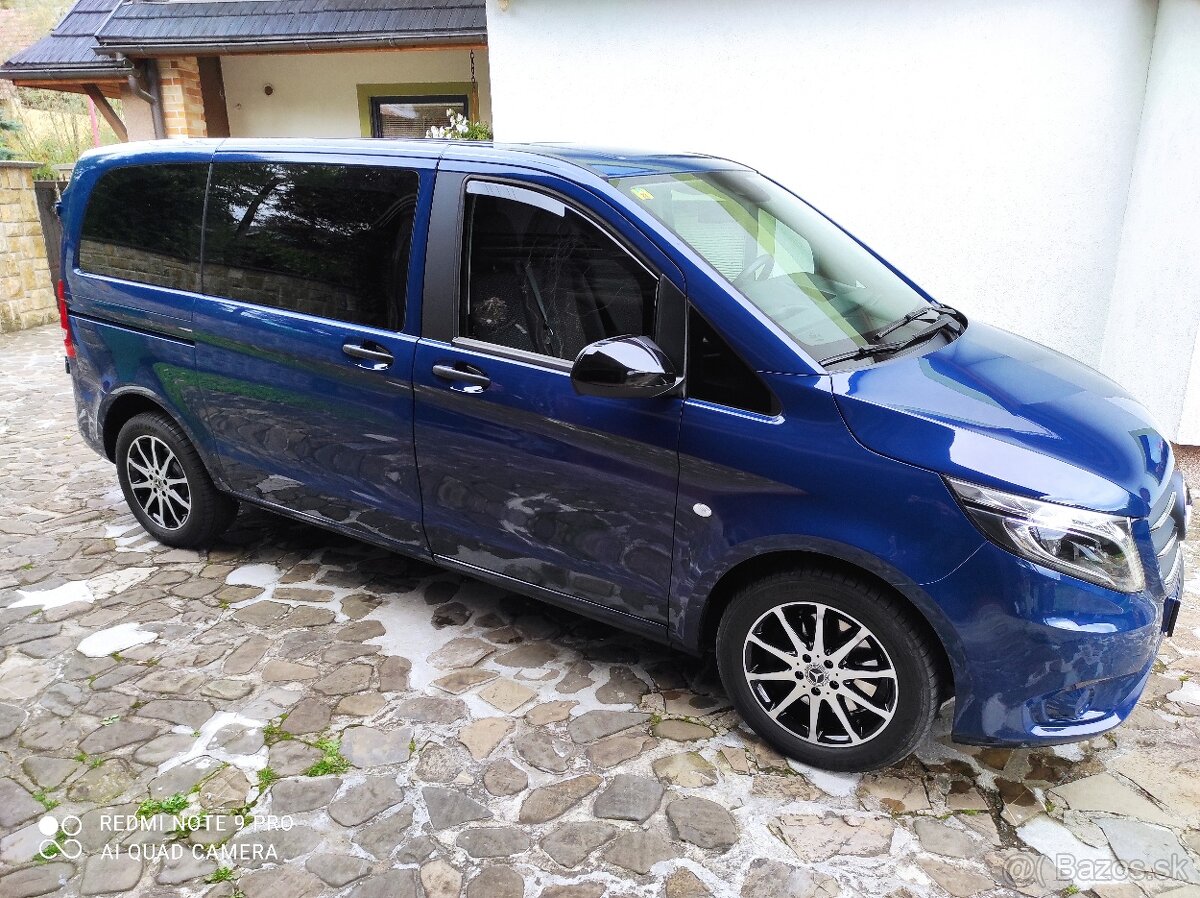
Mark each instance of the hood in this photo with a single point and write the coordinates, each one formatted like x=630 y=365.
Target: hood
x=1003 y=411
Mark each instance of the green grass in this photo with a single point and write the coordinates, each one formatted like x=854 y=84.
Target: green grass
x=46 y=801
x=272 y=732
x=332 y=762
x=221 y=874
x=93 y=761
x=51 y=851
x=172 y=805
x=266 y=776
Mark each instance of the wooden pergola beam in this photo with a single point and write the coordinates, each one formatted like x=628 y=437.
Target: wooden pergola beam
x=106 y=110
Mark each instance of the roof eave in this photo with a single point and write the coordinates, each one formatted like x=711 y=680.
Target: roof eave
x=143 y=48
x=64 y=73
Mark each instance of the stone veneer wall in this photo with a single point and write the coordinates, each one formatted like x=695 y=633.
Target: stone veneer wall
x=182 y=101
x=26 y=293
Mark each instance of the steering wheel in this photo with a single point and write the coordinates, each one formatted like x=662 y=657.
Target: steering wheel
x=757 y=271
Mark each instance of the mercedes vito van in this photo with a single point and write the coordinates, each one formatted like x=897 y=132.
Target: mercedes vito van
x=661 y=391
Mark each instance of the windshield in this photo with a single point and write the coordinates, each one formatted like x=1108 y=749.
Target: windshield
x=797 y=267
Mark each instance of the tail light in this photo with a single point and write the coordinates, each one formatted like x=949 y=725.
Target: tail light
x=68 y=343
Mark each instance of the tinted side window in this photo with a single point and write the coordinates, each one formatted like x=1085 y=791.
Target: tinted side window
x=717 y=374
x=326 y=240
x=143 y=224
x=541 y=278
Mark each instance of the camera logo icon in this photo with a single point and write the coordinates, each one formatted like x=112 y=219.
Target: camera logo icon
x=60 y=833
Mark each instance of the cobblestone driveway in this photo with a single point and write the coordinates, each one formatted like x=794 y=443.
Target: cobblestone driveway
x=430 y=735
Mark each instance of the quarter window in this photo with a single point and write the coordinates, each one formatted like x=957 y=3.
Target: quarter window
x=715 y=373
x=541 y=278
x=143 y=224
x=327 y=240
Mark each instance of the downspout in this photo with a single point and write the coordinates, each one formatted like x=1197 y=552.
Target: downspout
x=149 y=68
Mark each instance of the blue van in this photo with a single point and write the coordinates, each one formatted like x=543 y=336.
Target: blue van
x=661 y=391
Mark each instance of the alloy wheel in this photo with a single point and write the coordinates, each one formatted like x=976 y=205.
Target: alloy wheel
x=158 y=482
x=820 y=674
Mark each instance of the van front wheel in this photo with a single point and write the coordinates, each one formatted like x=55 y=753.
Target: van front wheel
x=829 y=669
x=166 y=485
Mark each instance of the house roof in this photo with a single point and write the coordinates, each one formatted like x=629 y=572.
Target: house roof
x=231 y=26
x=93 y=39
x=68 y=53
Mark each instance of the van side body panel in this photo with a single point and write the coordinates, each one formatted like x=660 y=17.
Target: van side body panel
x=298 y=423
x=130 y=338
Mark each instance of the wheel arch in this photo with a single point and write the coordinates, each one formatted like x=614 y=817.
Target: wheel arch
x=126 y=404
x=747 y=570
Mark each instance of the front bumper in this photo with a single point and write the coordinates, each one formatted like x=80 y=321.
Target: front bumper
x=1043 y=657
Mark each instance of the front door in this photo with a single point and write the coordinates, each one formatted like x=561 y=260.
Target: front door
x=520 y=476
x=300 y=346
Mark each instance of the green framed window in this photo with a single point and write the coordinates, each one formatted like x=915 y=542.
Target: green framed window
x=413 y=116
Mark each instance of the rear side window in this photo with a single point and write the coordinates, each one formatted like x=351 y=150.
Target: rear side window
x=327 y=240
x=143 y=224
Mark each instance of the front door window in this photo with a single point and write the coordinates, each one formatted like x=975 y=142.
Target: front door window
x=542 y=278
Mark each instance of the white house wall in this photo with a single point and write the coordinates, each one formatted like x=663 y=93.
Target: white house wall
x=985 y=148
x=315 y=94
x=1151 y=344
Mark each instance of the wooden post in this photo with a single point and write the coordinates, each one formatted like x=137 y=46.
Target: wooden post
x=106 y=110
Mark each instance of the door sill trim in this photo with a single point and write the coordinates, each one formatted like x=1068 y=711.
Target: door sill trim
x=620 y=619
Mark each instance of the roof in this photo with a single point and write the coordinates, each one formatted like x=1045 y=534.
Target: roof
x=625 y=163
x=231 y=26
x=90 y=42
x=69 y=51
x=564 y=159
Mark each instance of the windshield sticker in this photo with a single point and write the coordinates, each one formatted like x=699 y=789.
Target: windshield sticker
x=641 y=193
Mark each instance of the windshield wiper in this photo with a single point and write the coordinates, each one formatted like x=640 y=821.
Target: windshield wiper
x=947 y=317
x=907 y=319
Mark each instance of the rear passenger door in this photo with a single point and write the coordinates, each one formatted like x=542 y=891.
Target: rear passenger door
x=302 y=349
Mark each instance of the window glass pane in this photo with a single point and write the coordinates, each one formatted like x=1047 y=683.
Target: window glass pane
x=717 y=374
x=143 y=224
x=811 y=278
x=413 y=116
x=326 y=240
x=549 y=283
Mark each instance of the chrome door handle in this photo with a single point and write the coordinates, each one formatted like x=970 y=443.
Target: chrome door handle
x=467 y=374
x=368 y=351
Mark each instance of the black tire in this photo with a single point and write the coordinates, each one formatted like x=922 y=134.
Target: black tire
x=209 y=511
x=894 y=639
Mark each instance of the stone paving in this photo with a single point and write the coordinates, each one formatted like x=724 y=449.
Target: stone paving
x=381 y=729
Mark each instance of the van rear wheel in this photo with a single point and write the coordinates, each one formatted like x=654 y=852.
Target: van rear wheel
x=166 y=485
x=829 y=669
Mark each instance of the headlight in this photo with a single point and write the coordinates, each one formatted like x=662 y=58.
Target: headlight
x=1089 y=545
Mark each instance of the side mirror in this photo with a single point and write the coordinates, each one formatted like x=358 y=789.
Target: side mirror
x=624 y=367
